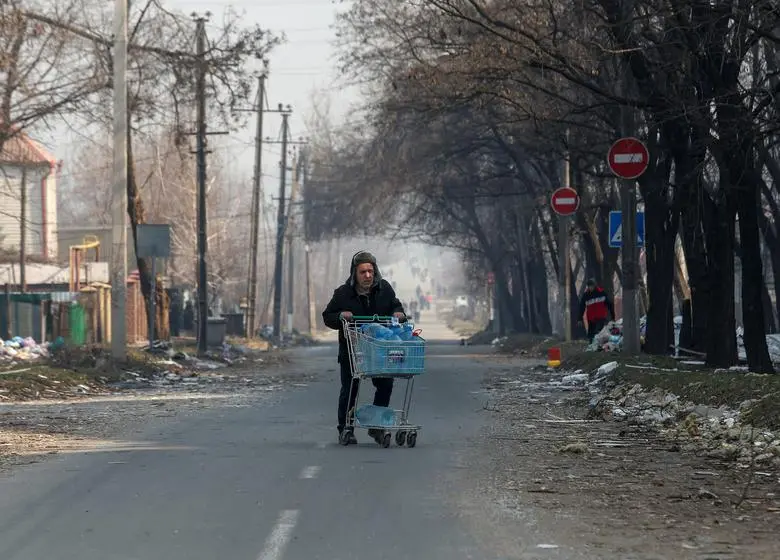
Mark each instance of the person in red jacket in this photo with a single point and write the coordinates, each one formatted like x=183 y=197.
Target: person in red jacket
x=596 y=307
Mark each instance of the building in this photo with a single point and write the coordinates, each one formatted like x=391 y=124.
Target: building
x=25 y=162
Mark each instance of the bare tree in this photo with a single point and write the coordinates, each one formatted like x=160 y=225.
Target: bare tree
x=46 y=71
x=161 y=92
x=546 y=77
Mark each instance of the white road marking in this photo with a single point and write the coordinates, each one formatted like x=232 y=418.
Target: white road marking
x=310 y=472
x=280 y=536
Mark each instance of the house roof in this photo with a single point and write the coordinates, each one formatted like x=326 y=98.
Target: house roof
x=20 y=148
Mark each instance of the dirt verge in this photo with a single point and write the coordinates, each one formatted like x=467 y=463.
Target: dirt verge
x=621 y=488
x=80 y=399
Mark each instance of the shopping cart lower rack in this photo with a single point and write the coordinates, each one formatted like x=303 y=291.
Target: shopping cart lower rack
x=373 y=355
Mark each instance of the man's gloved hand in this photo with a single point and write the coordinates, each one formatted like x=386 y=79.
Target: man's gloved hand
x=345 y=315
x=399 y=315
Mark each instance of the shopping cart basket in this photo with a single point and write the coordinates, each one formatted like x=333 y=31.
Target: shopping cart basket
x=373 y=357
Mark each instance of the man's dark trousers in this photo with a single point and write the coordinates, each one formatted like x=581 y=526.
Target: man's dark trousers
x=594 y=327
x=384 y=389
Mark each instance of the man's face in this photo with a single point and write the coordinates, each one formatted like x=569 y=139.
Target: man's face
x=365 y=275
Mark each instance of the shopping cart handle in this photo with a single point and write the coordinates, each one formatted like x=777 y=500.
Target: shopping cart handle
x=382 y=318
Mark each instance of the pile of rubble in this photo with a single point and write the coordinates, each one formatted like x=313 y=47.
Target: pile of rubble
x=18 y=349
x=170 y=367
x=716 y=432
x=610 y=338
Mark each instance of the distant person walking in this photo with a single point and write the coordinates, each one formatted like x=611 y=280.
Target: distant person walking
x=595 y=307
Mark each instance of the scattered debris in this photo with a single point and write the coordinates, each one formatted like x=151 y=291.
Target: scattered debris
x=575 y=379
x=613 y=456
x=576 y=448
x=19 y=350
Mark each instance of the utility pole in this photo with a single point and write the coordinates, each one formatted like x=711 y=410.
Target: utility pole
x=251 y=298
x=201 y=162
x=119 y=190
x=290 y=229
x=565 y=260
x=280 y=219
x=23 y=231
x=631 y=344
x=310 y=303
x=309 y=289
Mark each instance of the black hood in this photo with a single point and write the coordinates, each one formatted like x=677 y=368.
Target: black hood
x=365 y=257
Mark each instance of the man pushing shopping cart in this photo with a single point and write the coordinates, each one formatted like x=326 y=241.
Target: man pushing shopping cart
x=364 y=294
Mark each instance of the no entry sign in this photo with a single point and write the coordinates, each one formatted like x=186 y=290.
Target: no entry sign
x=628 y=158
x=565 y=201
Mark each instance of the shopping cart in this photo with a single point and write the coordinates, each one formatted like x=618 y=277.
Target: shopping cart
x=371 y=358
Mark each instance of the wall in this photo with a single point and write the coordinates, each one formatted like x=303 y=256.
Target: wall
x=50 y=194
x=37 y=199
x=52 y=274
x=10 y=207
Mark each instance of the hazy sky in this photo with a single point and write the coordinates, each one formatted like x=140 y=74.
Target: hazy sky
x=303 y=65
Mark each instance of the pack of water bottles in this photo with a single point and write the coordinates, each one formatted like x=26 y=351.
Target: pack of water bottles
x=394 y=332
x=389 y=349
x=372 y=415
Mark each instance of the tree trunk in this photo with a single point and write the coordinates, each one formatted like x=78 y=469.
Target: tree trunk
x=594 y=258
x=721 y=344
x=135 y=211
x=503 y=302
x=694 y=241
x=541 y=298
x=538 y=279
x=747 y=201
x=525 y=272
x=773 y=245
x=661 y=224
x=698 y=267
x=574 y=302
x=769 y=312
x=517 y=300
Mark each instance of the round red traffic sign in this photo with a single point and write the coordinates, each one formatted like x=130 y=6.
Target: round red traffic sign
x=628 y=158
x=565 y=201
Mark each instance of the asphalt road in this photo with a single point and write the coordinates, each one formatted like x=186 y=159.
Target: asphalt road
x=266 y=482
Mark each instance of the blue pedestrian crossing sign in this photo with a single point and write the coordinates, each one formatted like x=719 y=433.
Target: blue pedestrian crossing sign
x=616 y=229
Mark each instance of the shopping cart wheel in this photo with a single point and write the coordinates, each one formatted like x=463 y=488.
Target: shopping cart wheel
x=400 y=438
x=411 y=439
x=386 y=440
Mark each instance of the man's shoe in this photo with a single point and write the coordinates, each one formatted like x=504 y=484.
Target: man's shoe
x=347 y=437
x=374 y=433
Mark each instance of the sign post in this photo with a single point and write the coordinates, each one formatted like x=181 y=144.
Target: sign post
x=154 y=240
x=628 y=159
x=565 y=202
